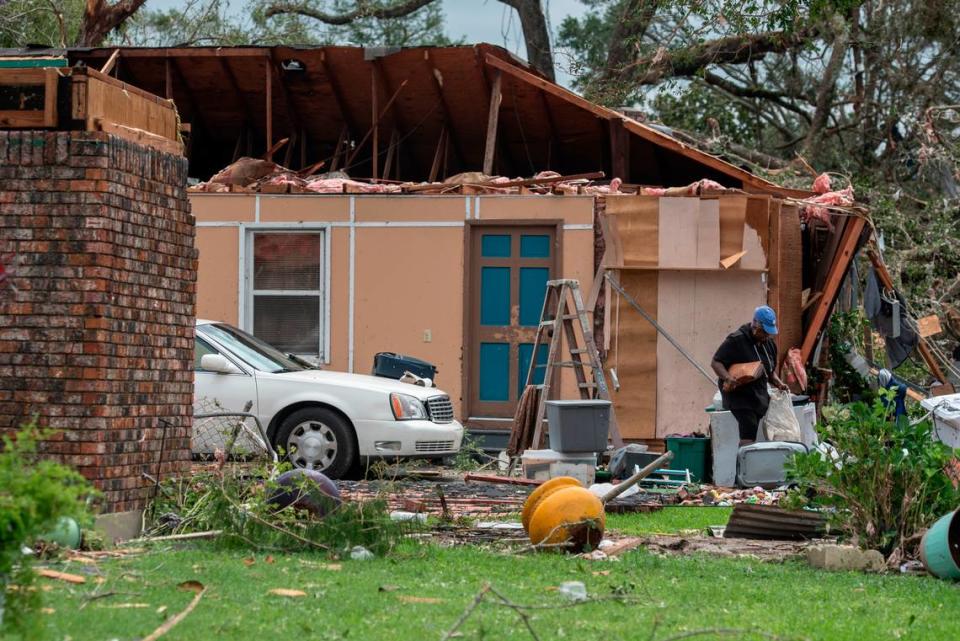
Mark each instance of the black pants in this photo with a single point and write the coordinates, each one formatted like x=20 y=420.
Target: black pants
x=749 y=421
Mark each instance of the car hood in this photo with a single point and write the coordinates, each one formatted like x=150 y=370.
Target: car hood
x=359 y=381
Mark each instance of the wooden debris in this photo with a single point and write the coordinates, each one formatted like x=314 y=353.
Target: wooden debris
x=62 y=576
x=286 y=592
x=507 y=480
x=168 y=625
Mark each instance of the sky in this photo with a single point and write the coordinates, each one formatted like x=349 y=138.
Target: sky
x=474 y=20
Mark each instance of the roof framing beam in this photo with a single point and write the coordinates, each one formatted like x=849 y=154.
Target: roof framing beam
x=435 y=78
x=335 y=88
x=235 y=86
x=656 y=137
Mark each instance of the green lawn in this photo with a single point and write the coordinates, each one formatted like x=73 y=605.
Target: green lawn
x=669 y=520
x=372 y=599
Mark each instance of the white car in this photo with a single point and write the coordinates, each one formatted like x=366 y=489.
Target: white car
x=322 y=420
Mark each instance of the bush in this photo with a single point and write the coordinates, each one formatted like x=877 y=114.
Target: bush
x=34 y=494
x=888 y=482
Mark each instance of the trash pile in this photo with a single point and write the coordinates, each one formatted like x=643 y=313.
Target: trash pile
x=719 y=497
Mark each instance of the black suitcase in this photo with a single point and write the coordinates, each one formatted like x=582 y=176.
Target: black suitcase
x=390 y=365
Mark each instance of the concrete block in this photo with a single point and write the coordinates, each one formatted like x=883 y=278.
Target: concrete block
x=845 y=557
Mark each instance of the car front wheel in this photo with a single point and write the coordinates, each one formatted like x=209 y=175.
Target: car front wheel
x=318 y=439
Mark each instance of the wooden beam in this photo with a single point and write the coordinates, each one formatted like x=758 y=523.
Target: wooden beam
x=366 y=136
x=337 y=92
x=619 y=150
x=887 y=281
x=268 y=81
x=111 y=62
x=552 y=128
x=645 y=132
x=393 y=150
x=493 y=118
x=438 y=155
x=374 y=91
x=237 y=94
x=195 y=113
x=341 y=142
x=838 y=271
x=167 y=79
x=163 y=52
x=451 y=132
x=399 y=124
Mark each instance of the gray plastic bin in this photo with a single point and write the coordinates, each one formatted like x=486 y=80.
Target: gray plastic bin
x=578 y=426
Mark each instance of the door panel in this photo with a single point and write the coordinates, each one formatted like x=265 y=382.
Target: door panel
x=508 y=272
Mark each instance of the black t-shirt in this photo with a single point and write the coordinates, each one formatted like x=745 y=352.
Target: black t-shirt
x=740 y=347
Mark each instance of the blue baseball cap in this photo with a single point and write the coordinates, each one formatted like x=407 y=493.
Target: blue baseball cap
x=766 y=318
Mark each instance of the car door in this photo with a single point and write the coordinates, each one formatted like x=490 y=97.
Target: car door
x=217 y=392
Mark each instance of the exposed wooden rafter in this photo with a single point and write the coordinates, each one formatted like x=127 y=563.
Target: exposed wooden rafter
x=449 y=126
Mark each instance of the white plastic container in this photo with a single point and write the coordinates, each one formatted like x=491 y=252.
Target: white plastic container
x=542 y=465
x=946 y=418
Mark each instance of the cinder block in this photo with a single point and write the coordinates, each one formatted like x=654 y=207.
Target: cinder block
x=845 y=557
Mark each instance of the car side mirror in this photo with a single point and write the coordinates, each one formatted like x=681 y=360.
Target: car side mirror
x=218 y=363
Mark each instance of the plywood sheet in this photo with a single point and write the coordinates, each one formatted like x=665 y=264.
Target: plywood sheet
x=756 y=233
x=702 y=308
x=636 y=220
x=708 y=234
x=678 y=232
x=733 y=213
x=634 y=355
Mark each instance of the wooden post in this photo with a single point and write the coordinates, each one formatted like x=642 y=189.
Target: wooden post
x=269 y=83
x=841 y=264
x=922 y=346
x=168 y=78
x=376 y=121
x=492 y=118
x=619 y=150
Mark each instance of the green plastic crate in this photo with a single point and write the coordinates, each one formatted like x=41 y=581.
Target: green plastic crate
x=689 y=454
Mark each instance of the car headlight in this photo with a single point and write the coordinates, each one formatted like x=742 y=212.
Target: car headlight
x=407 y=408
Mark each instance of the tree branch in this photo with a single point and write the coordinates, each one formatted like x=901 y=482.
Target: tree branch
x=364 y=10
x=827 y=86
x=753 y=92
x=736 y=49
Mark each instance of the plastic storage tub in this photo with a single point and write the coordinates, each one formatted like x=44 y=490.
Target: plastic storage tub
x=689 y=454
x=578 y=426
x=390 y=365
x=542 y=465
x=764 y=464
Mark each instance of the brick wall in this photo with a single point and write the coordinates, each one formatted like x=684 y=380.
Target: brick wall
x=96 y=322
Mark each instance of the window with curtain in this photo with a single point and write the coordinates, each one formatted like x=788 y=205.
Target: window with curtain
x=287 y=291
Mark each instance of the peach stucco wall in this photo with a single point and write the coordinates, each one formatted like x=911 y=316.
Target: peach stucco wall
x=408 y=267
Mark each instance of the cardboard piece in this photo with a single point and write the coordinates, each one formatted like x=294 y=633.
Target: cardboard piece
x=708 y=234
x=634 y=355
x=929 y=326
x=678 y=233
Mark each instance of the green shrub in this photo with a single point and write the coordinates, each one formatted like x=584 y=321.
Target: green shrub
x=888 y=482
x=34 y=494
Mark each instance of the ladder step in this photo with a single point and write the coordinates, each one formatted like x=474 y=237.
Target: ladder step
x=585 y=385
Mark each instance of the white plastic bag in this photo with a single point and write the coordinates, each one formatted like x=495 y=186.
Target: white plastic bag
x=781 y=423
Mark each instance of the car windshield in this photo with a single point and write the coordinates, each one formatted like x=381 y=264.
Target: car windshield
x=250 y=349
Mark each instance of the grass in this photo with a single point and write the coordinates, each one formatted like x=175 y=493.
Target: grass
x=669 y=520
x=421 y=591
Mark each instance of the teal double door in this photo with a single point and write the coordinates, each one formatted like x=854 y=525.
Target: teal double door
x=509 y=269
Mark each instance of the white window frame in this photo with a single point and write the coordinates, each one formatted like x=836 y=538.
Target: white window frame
x=247 y=293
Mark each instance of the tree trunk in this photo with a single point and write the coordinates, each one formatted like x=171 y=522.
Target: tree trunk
x=533 y=22
x=100 y=18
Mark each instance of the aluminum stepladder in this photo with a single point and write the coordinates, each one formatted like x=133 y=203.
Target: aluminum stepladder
x=556 y=317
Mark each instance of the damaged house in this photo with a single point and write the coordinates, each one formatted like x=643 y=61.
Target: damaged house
x=391 y=221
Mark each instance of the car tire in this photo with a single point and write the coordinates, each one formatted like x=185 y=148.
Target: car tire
x=317 y=438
